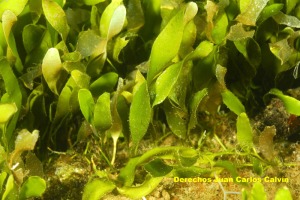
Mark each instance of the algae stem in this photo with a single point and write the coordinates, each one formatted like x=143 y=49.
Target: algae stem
x=115 y=141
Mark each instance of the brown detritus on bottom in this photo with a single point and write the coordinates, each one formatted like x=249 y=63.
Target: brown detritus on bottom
x=266 y=144
x=276 y=115
x=66 y=177
x=294 y=93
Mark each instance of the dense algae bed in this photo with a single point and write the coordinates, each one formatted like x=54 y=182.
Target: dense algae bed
x=203 y=186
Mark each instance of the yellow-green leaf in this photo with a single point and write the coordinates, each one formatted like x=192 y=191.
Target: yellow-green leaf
x=251 y=13
x=140 y=113
x=232 y=102
x=11 y=189
x=104 y=83
x=92 y=189
x=176 y=118
x=196 y=99
x=165 y=82
x=269 y=11
x=283 y=193
x=290 y=5
x=244 y=131
x=25 y=140
x=120 y=43
x=7 y=111
x=68 y=98
x=188 y=39
x=203 y=49
x=81 y=79
x=243 y=4
x=51 y=68
x=281 y=50
x=32 y=36
x=13 y=95
x=102 y=112
x=157 y=168
x=36 y=9
x=16 y=6
x=291 y=104
x=258 y=191
x=9 y=19
x=34 y=186
x=87 y=104
x=167 y=44
x=135 y=15
x=89 y=43
x=220 y=29
x=288 y=20
x=142 y=190
x=237 y=32
x=56 y=16
x=112 y=19
x=3 y=175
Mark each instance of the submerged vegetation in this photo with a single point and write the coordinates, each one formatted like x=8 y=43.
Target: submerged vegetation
x=104 y=84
